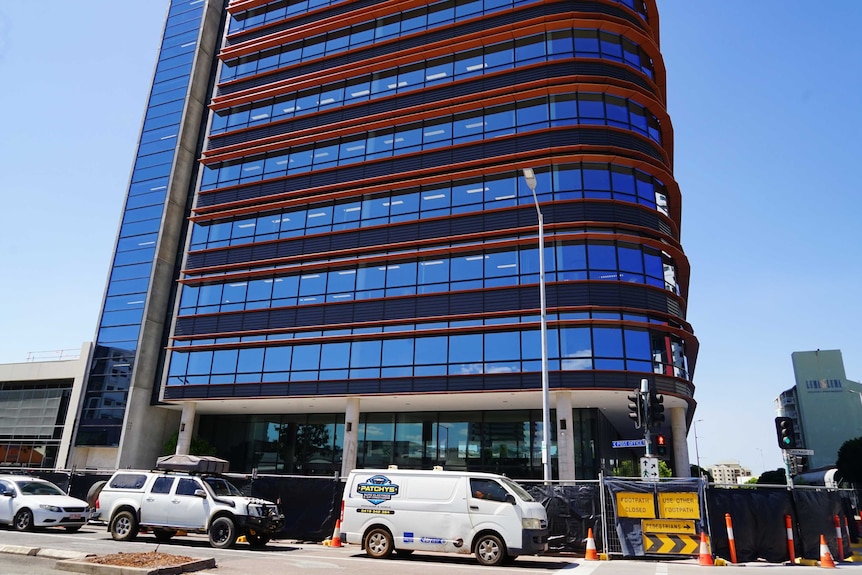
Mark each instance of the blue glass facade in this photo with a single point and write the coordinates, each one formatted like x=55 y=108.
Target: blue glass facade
x=360 y=233
x=110 y=373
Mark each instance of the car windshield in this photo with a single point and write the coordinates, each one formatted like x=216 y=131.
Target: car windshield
x=519 y=491
x=221 y=487
x=38 y=488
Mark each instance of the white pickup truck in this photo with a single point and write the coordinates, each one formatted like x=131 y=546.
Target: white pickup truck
x=176 y=497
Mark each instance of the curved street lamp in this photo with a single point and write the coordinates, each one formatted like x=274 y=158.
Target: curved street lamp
x=530 y=179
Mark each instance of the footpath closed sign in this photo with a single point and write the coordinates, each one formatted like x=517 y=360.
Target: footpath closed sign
x=635 y=505
x=676 y=505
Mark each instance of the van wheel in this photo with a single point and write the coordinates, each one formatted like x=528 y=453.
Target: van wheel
x=223 y=533
x=490 y=550
x=124 y=526
x=378 y=543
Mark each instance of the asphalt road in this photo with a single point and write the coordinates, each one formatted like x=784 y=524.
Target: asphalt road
x=314 y=558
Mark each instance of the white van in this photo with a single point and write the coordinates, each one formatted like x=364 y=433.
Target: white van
x=405 y=510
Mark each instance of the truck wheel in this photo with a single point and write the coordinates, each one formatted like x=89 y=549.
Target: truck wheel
x=378 y=543
x=256 y=540
x=490 y=550
x=124 y=526
x=223 y=533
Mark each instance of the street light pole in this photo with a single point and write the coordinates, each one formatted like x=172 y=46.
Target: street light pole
x=696 y=450
x=530 y=178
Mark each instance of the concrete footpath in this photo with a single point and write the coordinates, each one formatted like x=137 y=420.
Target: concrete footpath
x=76 y=561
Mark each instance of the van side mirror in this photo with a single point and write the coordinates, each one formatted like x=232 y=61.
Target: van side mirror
x=510 y=499
x=200 y=493
x=8 y=493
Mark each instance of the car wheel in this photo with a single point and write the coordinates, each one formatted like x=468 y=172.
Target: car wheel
x=490 y=550
x=222 y=533
x=23 y=520
x=256 y=540
x=378 y=543
x=124 y=526
x=73 y=528
x=163 y=534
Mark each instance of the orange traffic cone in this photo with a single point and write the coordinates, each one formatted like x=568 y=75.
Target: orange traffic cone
x=826 y=560
x=705 y=557
x=336 y=535
x=591 y=554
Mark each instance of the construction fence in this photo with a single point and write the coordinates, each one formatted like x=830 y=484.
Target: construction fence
x=629 y=517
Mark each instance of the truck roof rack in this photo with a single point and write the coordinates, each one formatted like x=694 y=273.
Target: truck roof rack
x=192 y=464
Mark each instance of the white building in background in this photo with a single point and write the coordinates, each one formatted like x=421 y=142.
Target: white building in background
x=39 y=402
x=728 y=473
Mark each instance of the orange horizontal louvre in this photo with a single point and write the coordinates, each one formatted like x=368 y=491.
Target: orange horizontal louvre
x=517 y=160
x=465 y=43
x=635 y=92
x=433 y=110
x=371 y=255
x=358 y=188
x=683 y=332
x=319 y=27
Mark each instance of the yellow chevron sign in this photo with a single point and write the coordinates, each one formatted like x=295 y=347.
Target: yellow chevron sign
x=670 y=544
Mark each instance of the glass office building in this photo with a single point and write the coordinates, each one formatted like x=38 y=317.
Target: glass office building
x=345 y=267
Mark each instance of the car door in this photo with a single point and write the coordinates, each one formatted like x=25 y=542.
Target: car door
x=6 y=502
x=157 y=502
x=489 y=507
x=187 y=509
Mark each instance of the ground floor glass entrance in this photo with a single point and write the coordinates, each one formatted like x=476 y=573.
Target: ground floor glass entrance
x=506 y=442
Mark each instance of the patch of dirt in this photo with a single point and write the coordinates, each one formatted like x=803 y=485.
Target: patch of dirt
x=153 y=559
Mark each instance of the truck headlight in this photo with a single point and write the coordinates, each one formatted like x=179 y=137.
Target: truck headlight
x=531 y=523
x=53 y=508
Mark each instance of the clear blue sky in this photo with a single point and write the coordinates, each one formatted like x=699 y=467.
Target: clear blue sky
x=764 y=98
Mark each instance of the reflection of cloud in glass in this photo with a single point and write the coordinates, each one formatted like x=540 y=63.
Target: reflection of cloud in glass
x=500 y=369
x=471 y=368
x=478 y=368
x=375 y=431
x=570 y=364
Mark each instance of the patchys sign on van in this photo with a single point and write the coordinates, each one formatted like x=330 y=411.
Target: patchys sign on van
x=402 y=511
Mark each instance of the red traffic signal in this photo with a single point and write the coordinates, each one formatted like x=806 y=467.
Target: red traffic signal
x=661 y=445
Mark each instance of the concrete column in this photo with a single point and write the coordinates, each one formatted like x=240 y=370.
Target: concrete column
x=351 y=436
x=565 y=436
x=681 y=463
x=187 y=428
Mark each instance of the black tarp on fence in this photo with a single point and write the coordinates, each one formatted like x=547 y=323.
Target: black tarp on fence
x=758 y=522
x=572 y=510
x=758 y=517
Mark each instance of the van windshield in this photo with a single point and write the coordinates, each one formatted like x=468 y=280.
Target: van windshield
x=519 y=491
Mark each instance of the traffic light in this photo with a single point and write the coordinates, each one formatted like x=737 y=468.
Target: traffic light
x=660 y=445
x=636 y=408
x=656 y=409
x=786 y=434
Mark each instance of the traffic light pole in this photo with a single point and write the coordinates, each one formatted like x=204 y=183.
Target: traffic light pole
x=645 y=395
x=787 y=470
